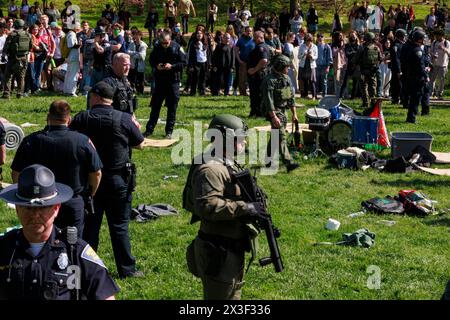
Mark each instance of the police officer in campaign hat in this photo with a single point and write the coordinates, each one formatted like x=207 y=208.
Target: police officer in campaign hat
x=368 y=59
x=417 y=76
x=40 y=261
x=167 y=60
x=217 y=254
x=277 y=96
x=72 y=158
x=113 y=133
x=17 y=46
x=395 y=65
x=124 y=95
x=257 y=63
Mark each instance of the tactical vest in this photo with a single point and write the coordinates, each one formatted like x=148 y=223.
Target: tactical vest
x=282 y=92
x=369 y=61
x=124 y=99
x=20 y=44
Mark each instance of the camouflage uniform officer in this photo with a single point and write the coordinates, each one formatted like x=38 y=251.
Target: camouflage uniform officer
x=217 y=254
x=368 y=59
x=17 y=46
x=277 y=95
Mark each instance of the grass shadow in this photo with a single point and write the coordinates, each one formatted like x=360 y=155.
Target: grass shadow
x=417 y=183
x=439 y=222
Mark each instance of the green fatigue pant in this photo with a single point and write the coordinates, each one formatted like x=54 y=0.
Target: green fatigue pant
x=15 y=69
x=221 y=270
x=368 y=88
x=282 y=146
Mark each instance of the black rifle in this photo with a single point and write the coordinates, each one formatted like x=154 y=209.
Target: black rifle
x=252 y=193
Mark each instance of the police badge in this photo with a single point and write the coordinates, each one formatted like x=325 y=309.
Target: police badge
x=63 y=261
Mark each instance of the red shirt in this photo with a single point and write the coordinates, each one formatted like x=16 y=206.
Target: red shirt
x=46 y=36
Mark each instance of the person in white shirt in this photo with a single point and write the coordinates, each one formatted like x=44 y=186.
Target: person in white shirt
x=73 y=61
x=307 y=55
x=198 y=63
x=440 y=52
x=137 y=51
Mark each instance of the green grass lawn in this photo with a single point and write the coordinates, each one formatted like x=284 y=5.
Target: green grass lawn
x=412 y=255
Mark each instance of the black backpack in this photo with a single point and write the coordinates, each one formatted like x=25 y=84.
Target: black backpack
x=383 y=205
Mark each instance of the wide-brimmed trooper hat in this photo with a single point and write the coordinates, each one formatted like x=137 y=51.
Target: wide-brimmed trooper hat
x=36 y=188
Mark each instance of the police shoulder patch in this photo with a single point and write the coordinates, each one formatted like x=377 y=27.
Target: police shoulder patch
x=135 y=122
x=90 y=255
x=419 y=53
x=92 y=145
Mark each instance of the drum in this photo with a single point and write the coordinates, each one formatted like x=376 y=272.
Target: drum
x=340 y=134
x=346 y=159
x=331 y=104
x=317 y=118
x=365 y=130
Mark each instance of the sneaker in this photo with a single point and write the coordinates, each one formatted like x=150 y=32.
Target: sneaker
x=169 y=136
x=235 y=93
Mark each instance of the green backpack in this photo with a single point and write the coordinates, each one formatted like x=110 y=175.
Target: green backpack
x=370 y=58
x=20 y=44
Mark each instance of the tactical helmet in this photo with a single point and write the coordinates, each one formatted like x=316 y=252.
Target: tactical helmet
x=19 y=24
x=280 y=62
x=418 y=35
x=369 y=37
x=400 y=33
x=228 y=125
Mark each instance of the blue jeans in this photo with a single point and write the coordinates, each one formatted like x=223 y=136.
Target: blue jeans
x=184 y=23
x=97 y=76
x=86 y=81
x=38 y=67
x=322 y=80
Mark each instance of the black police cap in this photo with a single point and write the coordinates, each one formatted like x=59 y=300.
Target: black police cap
x=36 y=188
x=103 y=89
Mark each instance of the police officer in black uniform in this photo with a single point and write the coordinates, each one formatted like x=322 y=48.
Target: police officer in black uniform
x=257 y=62
x=40 y=261
x=395 y=65
x=124 y=95
x=404 y=52
x=70 y=155
x=167 y=61
x=417 y=77
x=113 y=133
